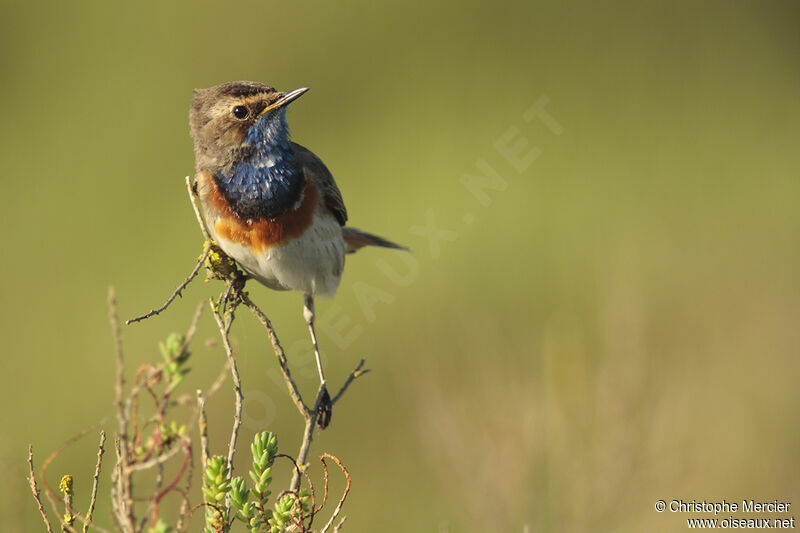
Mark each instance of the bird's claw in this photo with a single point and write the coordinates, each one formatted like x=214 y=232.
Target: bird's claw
x=324 y=408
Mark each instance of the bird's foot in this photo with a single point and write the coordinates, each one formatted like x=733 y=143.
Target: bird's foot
x=324 y=407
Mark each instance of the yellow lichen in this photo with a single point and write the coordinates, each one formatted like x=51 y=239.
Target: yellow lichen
x=219 y=265
x=65 y=485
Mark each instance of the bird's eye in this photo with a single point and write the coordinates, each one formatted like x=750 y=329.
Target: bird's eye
x=240 y=112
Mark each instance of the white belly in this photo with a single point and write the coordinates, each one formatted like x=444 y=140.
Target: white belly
x=311 y=263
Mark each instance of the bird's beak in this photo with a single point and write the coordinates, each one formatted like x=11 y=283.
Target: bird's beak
x=285 y=99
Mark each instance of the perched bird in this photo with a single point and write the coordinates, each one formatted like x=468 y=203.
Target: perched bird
x=269 y=203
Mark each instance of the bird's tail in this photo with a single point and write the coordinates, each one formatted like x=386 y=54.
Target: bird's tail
x=356 y=239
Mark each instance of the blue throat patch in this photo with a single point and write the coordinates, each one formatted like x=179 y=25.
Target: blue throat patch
x=267 y=183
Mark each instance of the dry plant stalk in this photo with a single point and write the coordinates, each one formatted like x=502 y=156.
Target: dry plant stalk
x=136 y=454
x=35 y=490
x=344 y=494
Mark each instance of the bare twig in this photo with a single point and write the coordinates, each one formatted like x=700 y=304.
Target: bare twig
x=157 y=489
x=156 y=370
x=65 y=485
x=344 y=494
x=35 y=490
x=308 y=436
x=186 y=511
x=48 y=491
x=187 y=460
x=314 y=509
x=185 y=503
x=324 y=487
x=155 y=461
x=217 y=384
x=356 y=373
x=296 y=491
x=123 y=489
x=200 y=261
x=193 y=199
x=294 y=392
x=339 y=525
x=222 y=304
x=120 y=381
x=93 y=498
x=311 y=421
x=224 y=325
x=190 y=333
x=122 y=499
x=116 y=508
x=310 y=415
x=177 y=292
x=296 y=470
x=202 y=422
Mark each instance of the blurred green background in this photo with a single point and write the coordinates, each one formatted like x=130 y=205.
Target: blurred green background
x=615 y=322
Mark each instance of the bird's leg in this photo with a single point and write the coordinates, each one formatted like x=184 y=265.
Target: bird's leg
x=308 y=313
x=324 y=408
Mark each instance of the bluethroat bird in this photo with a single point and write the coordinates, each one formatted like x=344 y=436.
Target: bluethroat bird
x=269 y=203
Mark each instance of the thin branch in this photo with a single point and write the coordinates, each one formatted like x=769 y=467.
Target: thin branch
x=122 y=493
x=296 y=471
x=155 y=372
x=185 y=512
x=190 y=333
x=310 y=415
x=187 y=460
x=344 y=494
x=158 y=369
x=193 y=199
x=93 y=498
x=157 y=489
x=177 y=292
x=308 y=436
x=202 y=422
x=311 y=419
x=224 y=329
x=122 y=422
x=313 y=512
x=324 y=487
x=217 y=384
x=155 y=461
x=35 y=490
x=185 y=503
x=201 y=260
x=296 y=491
x=294 y=392
x=66 y=487
x=116 y=505
x=339 y=525
x=48 y=491
x=357 y=373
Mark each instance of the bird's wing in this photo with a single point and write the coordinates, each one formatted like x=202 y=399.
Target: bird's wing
x=323 y=179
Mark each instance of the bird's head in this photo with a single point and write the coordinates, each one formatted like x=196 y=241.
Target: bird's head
x=224 y=120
